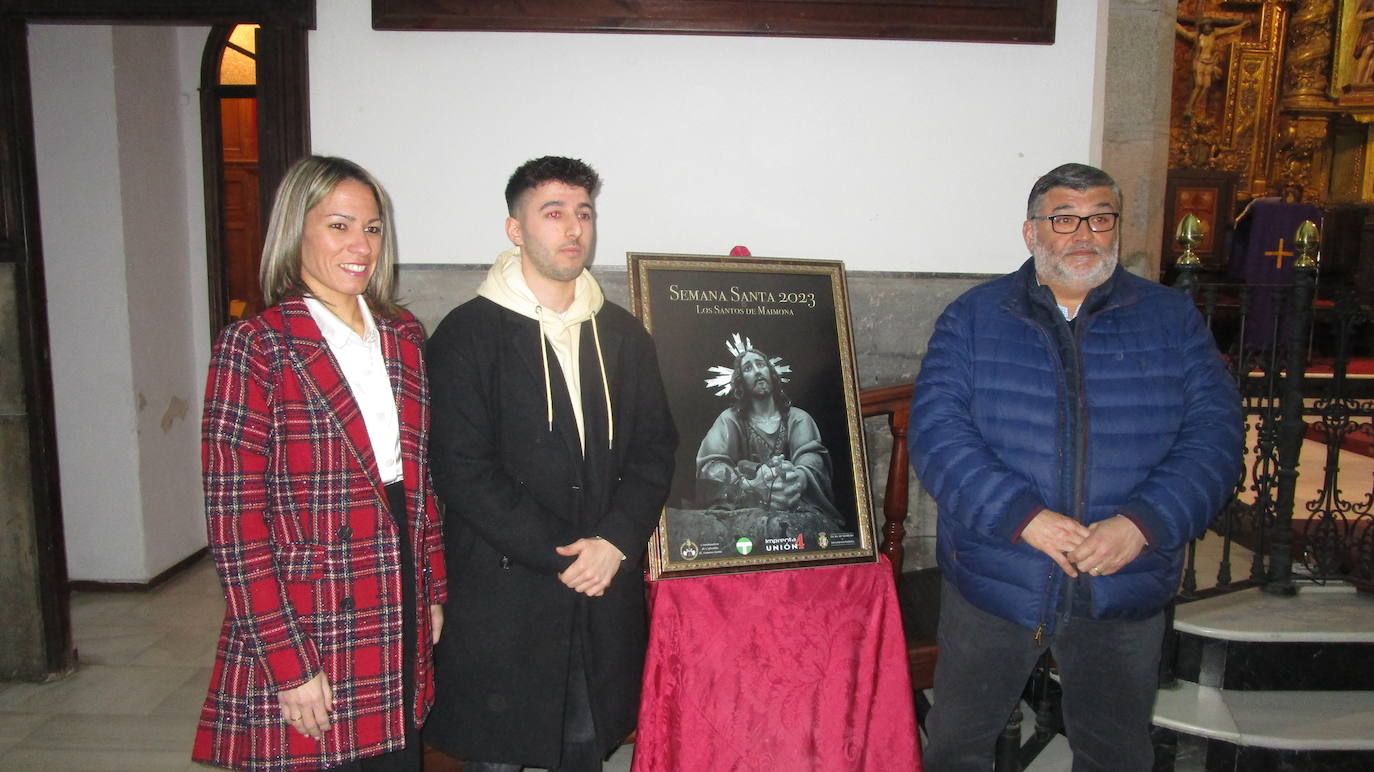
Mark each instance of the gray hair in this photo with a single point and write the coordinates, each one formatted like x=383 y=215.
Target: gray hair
x=1079 y=177
x=308 y=182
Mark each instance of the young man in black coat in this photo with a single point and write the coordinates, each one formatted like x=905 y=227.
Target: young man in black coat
x=552 y=450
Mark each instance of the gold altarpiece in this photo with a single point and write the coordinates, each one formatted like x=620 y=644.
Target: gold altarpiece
x=1277 y=93
x=1272 y=98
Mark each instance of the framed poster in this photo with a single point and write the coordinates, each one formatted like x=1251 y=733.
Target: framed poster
x=758 y=362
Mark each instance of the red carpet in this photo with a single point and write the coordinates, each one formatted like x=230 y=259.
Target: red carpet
x=1359 y=441
x=1356 y=366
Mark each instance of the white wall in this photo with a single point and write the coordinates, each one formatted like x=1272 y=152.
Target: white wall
x=889 y=155
x=77 y=146
x=121 y=244
x=190 y=46
x=150 y=98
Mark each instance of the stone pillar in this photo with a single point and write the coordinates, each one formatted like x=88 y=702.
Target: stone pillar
x=1135 y=132
x=35 y=630
x=21 y=634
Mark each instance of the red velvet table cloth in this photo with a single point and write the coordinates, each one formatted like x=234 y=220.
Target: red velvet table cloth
x=785 y=670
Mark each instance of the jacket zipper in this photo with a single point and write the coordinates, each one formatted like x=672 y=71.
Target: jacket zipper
x=1038 y=635
x=1080 y=413
x=1080 y=436
x=1079 y=441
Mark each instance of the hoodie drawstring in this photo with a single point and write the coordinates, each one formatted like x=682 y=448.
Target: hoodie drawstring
x=605 y=387
x=601 y=364
x=544 y=357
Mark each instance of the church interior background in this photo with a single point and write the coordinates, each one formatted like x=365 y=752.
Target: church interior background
x=1274 y=99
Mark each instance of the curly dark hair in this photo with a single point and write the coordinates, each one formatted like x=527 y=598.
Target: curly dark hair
x=551 y=168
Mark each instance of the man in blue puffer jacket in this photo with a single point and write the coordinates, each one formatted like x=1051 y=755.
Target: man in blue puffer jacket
x=1077 y=428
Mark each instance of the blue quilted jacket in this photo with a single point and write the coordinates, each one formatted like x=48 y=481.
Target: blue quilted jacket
x=1129 y=410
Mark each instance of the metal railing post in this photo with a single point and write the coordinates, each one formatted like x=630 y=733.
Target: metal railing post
x=1291 y=426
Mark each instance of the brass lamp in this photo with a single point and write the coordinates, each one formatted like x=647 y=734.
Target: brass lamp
x=1307 y=239
x=1190 y=233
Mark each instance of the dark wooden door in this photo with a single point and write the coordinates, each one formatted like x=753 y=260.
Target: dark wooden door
x=242 y=220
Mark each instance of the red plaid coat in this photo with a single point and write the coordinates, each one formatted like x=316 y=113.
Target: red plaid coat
x=306 y=547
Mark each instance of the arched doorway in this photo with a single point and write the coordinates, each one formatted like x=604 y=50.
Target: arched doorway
x=229 y=120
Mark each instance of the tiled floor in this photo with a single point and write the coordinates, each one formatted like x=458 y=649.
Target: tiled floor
x=133 y=703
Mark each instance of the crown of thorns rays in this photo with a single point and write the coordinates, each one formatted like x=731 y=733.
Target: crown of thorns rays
x=722 y=381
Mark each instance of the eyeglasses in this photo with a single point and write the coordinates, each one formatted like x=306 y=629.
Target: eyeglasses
x=1068 y=223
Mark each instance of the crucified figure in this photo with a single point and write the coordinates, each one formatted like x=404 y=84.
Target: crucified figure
x=1206 y=57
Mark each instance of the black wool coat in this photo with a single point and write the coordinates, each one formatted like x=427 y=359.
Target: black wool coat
x=515 y=488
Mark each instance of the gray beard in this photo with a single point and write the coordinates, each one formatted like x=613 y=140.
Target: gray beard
x=1051 y=273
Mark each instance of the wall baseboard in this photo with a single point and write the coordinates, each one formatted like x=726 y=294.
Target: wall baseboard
x=90 y=585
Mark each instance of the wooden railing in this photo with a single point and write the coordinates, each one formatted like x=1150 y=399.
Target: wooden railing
x=894 y=402
x=918 y=591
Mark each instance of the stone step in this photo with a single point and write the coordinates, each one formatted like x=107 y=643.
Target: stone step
x=1335 y=613
x=1299 y=720
x=1212 y=728
x=1321 y=639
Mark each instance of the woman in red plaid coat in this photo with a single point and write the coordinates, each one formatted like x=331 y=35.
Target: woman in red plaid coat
x=317 y=491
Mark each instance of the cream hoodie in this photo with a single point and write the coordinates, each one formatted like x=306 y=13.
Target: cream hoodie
x=505 y=286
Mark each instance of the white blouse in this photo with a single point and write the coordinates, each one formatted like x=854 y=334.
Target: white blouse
x=360 y=358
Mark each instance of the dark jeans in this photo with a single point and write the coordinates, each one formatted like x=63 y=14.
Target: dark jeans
x=1108 y=670
x=580 y=753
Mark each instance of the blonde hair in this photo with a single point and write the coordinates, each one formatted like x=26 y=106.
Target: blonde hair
x=308 y=182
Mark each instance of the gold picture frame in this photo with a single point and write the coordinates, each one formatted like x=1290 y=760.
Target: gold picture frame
x=1352 y=55
x=756 y=489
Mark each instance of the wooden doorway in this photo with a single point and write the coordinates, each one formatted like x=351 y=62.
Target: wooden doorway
x=229 y=120
x=283 y=137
